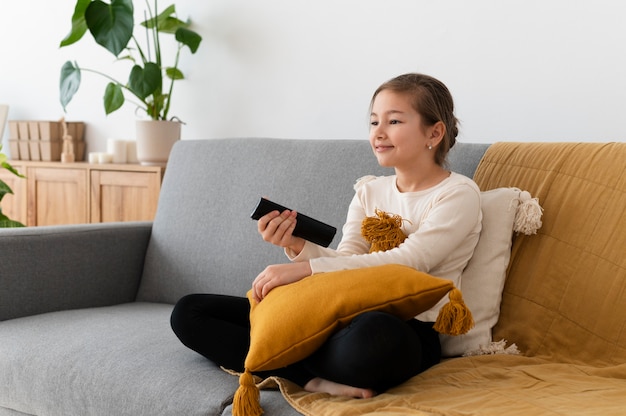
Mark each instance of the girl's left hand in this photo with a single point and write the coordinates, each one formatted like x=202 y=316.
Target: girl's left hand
x=278 y=275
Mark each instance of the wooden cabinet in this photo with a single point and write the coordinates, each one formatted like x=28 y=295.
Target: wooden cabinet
x=56 y=196
x=73 y=193
x=124 y=195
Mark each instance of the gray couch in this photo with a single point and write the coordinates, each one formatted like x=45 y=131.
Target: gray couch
x=84 y=309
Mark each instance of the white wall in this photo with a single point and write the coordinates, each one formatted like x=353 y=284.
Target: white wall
x=547 y=70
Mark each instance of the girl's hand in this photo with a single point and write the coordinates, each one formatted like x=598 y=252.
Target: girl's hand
x=277 y=228
x=278 y=275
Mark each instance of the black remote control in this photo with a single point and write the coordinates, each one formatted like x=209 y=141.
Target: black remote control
x=306 y=227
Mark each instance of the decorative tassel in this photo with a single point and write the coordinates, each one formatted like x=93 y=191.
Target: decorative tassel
x=247 y=400
x=383 y=232
x=528 y=215
x=495 y=347
x=454 y=318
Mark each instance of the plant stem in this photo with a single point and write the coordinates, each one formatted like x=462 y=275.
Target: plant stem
x=118 y=83
x=154 y=26
x=157 y=43
x=141 y=54
x=147 y=36
x=169 y=94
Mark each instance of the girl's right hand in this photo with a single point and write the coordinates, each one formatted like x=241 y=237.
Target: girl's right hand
x=277 y=228
x=278 y=275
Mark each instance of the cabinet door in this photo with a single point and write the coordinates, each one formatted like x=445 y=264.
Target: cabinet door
x=14 y=205
x=56 y=196
x=124 y=195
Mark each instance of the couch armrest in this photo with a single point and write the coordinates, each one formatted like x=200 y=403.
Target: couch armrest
x=52 y=268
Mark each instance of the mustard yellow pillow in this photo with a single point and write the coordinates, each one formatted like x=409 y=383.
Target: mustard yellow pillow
x=295 y=320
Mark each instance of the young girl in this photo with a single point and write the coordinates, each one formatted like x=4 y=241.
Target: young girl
x=412 y=128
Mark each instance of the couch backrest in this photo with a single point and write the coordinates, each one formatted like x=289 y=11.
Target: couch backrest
x=565 y=294
x=203 y=239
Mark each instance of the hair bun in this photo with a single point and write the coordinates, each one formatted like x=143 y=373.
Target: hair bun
x=453 y=135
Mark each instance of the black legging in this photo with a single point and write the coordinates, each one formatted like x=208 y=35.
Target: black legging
x=375 y=351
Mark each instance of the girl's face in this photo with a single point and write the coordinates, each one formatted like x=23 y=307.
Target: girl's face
x=397 y=134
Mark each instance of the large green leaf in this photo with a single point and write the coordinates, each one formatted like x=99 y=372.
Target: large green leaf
x=69 y=83
x=10 y=224
x=10 y=168
x=145 y=81
x=4 y=163
x=79 y=26
x=6 y=222
x=111 y=24
x=113 y=97
x=189 y=38
x=4 y=189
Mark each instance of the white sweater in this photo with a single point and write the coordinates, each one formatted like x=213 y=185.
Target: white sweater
x=442 y=225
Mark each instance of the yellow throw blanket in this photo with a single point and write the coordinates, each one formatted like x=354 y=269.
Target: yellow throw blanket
x=484 y=385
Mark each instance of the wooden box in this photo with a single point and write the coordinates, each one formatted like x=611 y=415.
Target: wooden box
x=43 y=140
x=14 y=148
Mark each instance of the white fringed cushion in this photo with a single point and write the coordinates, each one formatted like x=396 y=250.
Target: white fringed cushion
x=483 y=278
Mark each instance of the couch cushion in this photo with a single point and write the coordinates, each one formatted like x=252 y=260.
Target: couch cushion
x=564 y=294
x=211 y=187
x=119 y=360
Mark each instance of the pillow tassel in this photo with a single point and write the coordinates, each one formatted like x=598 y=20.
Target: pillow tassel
x=454 y=318
x=528 y=214
x=247 y=400
x=383 y=232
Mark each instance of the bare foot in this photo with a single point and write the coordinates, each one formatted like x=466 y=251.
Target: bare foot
x=320 y=385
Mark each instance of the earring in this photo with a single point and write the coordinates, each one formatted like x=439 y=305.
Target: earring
x=430 y=147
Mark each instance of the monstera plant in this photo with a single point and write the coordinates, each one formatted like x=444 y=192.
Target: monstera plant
x=112 y=26
x=6 y=222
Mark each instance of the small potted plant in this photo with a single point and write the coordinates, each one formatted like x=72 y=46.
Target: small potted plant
x=6 y=222
x=112 y=26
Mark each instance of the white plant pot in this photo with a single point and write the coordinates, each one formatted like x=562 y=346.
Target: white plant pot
x=155 y=139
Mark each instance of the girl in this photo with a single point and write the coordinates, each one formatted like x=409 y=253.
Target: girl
x=412 y=128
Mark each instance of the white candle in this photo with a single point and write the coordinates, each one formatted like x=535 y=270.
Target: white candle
x=94 y=157
x=117 y=148
x=131 y=151
x=105 y=157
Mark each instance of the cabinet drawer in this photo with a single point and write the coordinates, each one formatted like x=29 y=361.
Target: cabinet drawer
x=124 y=196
